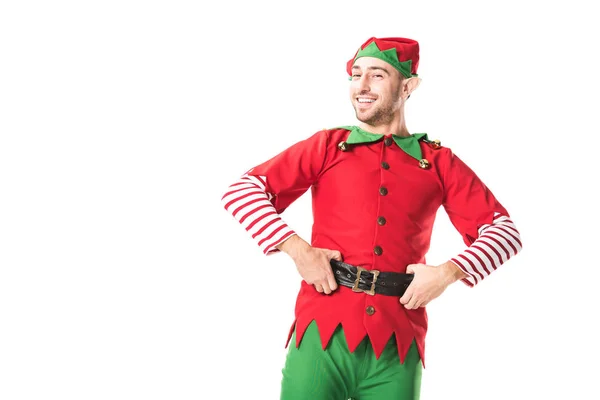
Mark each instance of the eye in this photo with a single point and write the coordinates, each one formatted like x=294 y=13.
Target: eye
x=355 y=76
x=377 y=76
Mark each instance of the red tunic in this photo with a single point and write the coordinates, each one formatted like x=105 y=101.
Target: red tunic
x=351 y=190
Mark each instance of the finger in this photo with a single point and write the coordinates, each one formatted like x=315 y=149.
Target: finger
x=405 y=300
x=336 y=255
x=319 y=288
x=410 y=268
x=412 y=304
x=406 y=296
x=332 y=283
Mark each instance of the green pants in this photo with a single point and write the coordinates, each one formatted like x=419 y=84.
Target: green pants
x=311 y=373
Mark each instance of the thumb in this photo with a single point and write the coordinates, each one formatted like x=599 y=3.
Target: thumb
x=336 y=255
x=410 y=269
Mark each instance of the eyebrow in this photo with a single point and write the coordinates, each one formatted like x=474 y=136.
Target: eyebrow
x=372 y=68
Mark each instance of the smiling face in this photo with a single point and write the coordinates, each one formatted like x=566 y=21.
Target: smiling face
x=375 y=91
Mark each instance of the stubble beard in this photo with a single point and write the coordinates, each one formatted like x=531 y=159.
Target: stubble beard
x=381 y=115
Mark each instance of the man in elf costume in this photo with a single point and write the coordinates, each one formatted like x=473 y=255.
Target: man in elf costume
x=360 y=318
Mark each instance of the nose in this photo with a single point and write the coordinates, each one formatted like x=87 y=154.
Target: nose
x=363 y=84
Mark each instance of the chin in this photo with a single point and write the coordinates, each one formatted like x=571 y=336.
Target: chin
x=363 y=117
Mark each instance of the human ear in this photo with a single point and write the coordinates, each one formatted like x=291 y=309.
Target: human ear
x=411 y=84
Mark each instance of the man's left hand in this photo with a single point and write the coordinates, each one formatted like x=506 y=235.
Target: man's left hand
x=428 y=283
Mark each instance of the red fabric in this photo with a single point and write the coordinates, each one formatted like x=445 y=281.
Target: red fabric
x=406 y=49
x=346 y=204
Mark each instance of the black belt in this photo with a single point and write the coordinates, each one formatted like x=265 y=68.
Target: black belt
x=370 y=281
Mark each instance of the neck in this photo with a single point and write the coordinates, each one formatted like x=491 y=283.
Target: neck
x=395 y=126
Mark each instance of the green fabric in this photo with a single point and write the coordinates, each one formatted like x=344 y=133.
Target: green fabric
x=336 y=374
x=410 y=144
x=389 y=56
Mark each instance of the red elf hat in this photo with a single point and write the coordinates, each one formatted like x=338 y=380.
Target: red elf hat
x=401 y=53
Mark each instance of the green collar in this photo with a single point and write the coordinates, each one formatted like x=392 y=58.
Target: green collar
x=410 y=144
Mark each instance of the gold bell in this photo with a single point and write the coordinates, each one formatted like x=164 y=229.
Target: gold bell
x=424 y=164
x=436 y=144
x=343 y=146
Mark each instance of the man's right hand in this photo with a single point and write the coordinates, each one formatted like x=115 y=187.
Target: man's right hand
x=312 y=263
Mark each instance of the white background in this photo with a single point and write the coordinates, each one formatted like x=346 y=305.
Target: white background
x=122 y=123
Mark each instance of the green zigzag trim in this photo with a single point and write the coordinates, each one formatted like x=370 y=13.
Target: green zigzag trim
x=389 y=56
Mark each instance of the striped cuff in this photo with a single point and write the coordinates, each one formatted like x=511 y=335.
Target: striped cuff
x=250 y=204
x=497 y=242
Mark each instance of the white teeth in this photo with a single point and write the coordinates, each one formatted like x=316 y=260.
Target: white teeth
x=365 y=100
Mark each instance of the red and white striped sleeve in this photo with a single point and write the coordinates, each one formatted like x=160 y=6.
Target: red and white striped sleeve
x=250 y=204
x=263 y=193
x=484 y=224
x=496 y=243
